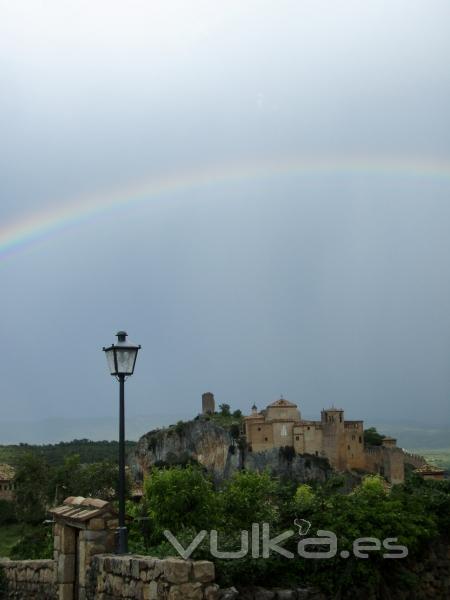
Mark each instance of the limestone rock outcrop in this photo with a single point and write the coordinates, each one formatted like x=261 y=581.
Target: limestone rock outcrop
x=204 y=442
x=198 y=441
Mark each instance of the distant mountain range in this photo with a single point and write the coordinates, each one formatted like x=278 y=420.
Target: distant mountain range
x=53 y=430
x=412 y=436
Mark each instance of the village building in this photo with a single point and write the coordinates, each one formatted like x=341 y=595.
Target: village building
x=430 y=472
x=7 y=474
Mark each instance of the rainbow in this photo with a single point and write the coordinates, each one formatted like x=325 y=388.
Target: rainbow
x=39 y=225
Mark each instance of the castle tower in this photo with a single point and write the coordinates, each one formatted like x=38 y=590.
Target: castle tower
x=208 y=403
x=254 y=410
x=334 y=439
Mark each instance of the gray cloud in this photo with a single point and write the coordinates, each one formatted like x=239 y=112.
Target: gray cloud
x=326 y=288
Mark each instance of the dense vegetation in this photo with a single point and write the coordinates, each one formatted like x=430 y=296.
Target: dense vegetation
x=185 y=501
x=55 y=454
x=24 y=533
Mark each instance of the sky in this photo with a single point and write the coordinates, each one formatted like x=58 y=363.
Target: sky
x=257 y=192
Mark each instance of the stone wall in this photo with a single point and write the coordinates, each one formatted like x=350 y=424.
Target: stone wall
x=414 y=460
x=145 y=578
x=28 y=579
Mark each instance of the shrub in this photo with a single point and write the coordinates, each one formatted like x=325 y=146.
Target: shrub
x=7 y=512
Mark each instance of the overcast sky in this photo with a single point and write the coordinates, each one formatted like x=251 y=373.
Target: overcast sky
x=327 y=287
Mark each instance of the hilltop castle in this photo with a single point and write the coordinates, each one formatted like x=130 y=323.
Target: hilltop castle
x=341 y=441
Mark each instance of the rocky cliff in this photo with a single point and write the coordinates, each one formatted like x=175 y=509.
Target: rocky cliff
x=211 y=446
x=199 y=441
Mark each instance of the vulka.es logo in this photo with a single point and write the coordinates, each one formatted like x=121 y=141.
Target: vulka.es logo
x=261 y=545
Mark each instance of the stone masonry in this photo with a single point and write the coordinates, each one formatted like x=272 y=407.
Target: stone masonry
x=146 y=578
x=29 y=579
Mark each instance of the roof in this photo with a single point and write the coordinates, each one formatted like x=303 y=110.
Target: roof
x=283 y=403
x=80 y=510
x=7 y=473
x=429 y=470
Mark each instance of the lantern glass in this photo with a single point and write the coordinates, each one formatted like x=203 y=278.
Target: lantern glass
x=111 y=361
x=126 y=357
x=121 y=357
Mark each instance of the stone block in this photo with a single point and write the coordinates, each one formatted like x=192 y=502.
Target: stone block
x=176 y=570
x=204 y=571
x=135 y=568
x=138 y=590
x=212 y=592
x=66 y=568
x=263 y=594
x=117 y=586
x=65 y=591
x=112 y=523
x=96 y=524
x=81 y=593
x=95 y=536
x=230 y=593
x=186 y=591
x=151 y=591
x=67 y=540
x=157 y=568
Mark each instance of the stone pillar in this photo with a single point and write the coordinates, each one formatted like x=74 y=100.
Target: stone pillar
x=95 y=539
x=64 y=555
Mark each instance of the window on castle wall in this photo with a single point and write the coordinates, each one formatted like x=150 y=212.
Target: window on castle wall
x=340 y=418
x=317 y=454
x=348 y=447
x=297 y=437
x=266 y=440
x=284 y=431
x=360 y=440
x=259 y=428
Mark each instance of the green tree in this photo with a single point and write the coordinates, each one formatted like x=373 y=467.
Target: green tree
x=225 y=410
x=248 y=497
x=31 y=488
x=237 y=414
x=99 y=480
x=179 y=498
x=372 y=437
x=304 y=497
x=7 y=512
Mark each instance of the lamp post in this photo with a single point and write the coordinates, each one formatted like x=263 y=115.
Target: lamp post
x=121 y=358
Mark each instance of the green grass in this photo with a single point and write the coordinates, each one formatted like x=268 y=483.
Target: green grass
x=9 y=536
x=439 y=457
x=227 y=421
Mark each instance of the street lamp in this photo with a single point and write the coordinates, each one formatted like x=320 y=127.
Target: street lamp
x=121 y=358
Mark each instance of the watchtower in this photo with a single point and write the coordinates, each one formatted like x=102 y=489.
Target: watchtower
x=208 y=403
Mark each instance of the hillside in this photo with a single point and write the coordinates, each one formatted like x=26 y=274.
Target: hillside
x=54 y=454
